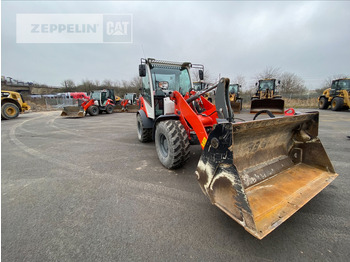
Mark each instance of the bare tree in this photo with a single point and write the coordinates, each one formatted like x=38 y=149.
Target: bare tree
x=239 y=79
x=269 y=72
x=136 y=82
x=107 y=83
x=68 y=83
x=87 y=86
x=195 y=75
x=292 y=84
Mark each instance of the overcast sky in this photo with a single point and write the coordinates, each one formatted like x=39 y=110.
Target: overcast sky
x=310 y=39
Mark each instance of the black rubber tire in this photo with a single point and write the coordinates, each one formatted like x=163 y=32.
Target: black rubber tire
x=9 y=111
x=172 y=143
x=144 y=134
x=337 y=104
x=109 y=109
x=93 y=110
x=323 y=103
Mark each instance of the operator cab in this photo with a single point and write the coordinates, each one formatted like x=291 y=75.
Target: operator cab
x=341 y=84
x=267 y=85
x=161 y=78
x=101 y=96
x=233 y=88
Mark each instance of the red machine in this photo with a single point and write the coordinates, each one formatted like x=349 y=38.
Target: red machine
x=130 y=103
x=258 y=172
x=100 y=101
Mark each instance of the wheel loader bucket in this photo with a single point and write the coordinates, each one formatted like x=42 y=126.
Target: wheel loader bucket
x=276 y=106
x=236 y=106
x=73 y=111
x=261 y=172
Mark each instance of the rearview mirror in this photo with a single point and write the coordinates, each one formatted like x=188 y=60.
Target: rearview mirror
x=201 y=74
x=142 y=70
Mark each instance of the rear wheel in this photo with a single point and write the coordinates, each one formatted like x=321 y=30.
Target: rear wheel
x=337 y=103
x=323 y=103
x=9 y=111
x=143 y=134
x=109 y=109
x=172 y=143
x=93 y=110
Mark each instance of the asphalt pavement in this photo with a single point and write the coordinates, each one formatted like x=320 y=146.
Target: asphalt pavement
x=87 y=190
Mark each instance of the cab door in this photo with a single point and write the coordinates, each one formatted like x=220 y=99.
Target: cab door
x=148 y=91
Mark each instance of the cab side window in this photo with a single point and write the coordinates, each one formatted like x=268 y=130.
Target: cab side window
x=146 y=89
x=335 y=85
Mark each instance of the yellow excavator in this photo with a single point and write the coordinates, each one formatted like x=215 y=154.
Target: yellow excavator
x=258 y=172
x=12 y=104
x=337 y=96
x=267 y=98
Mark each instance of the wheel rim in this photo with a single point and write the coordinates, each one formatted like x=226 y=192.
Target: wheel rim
x=321 y=102
x=10 y=111
x=334 y=103
x=163 y=142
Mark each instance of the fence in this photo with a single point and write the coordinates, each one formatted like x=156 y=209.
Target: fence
x=49 y=103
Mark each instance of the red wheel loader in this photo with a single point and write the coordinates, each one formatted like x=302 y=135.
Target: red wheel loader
x=100 y=101
x=129 y=103
x=258 y=172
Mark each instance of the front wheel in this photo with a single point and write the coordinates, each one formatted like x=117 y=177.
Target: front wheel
x=323 y=103
x=109 y=109
x=144 y=134
x=172 y=143
x=337 y=103
x=9 y=111
x=93 y=110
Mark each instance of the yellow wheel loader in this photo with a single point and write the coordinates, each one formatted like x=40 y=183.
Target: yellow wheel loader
x=12 y=104
x=267 y=98
x=257 y=172
x=337 y=96
x=235 y=99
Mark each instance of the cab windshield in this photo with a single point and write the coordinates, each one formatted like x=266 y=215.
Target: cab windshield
x=233 y=89
x=344 y=84
x=129 y=96
x=171 y=78
x=95 y=95
x=265 y=84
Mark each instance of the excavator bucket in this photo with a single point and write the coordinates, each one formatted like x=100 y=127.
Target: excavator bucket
x=276 y=106
x=73 y=111
x=261 y=172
